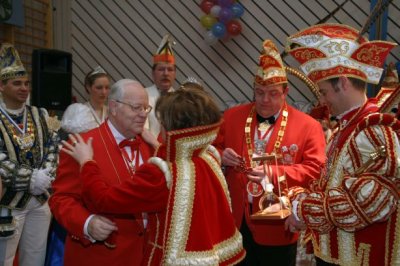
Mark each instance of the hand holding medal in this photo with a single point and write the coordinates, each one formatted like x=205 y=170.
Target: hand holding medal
x=231 y=158
x=242 y=167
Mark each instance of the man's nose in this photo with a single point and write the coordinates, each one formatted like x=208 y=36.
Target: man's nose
x=266 y=98
x=143 y=114
x=25 y=86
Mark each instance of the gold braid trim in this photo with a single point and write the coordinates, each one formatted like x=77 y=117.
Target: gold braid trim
x=36 y=118
x=215 y=153
x=310 y=84
x=9 y=146
x=154 y=244
x=164 y=167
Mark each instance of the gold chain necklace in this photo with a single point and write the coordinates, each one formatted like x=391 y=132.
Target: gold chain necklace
x=24 y=137
x=247 y=132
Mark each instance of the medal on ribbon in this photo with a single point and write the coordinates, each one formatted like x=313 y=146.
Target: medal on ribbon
x=254 y=189
x=25 y=141
x=23 y=135
x=264 y=126
x=259 y=146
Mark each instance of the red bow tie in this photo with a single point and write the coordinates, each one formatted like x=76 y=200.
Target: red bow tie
x=134 y=144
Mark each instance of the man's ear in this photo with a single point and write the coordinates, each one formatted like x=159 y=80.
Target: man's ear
x=112 y=107
x=343 y=83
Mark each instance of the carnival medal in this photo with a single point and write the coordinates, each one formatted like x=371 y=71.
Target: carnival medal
x=264 y=126
x=254 y=189
x=25 y=141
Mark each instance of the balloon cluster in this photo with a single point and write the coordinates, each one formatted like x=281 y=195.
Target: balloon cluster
x=221 y=19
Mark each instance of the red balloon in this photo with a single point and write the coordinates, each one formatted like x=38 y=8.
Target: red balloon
x=206 y=6
x=233 y=27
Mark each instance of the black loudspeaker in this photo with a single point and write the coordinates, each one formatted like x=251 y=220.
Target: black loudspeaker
x=51 y=79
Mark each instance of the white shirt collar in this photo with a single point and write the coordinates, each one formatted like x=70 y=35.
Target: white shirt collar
x=13 y=111
x=348 y=111
x=159 y=90
x=117 y=135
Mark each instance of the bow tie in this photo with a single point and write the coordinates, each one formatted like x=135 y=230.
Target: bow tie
x=134 y=144
x=270 y=120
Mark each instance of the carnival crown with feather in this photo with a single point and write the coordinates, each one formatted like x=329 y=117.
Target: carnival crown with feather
x=10 y=63
x=271 y=70
x=164 y=52
x=327 y=51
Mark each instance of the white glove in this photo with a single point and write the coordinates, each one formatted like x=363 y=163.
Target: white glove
x=40 y=181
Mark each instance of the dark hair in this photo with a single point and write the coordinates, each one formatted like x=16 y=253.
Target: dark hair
x=189 y=106
x=90 y=79
x=357 y=83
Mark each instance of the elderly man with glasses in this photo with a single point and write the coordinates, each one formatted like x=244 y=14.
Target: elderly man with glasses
x=119 y=150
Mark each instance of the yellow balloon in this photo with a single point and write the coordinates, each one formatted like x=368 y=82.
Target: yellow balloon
x=207 y=21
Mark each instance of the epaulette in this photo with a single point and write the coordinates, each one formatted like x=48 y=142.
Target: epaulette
x=379 y=119
x=392 y=100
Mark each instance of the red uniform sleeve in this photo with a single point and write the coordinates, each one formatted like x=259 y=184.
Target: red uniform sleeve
x=66 y=203
x=146 y=192
x=219 y=142
x=360 y=199
x=312 y=159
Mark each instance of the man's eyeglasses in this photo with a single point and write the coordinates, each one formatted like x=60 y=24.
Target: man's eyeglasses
x=138 y=108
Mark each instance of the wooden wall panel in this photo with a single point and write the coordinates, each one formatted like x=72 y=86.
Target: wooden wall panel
x=122 y=36
x=37 y=32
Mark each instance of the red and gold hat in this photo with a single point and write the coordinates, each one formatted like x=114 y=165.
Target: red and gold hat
x=164 y=52
x=327 y=51
x=11 y=66
x=271 y=70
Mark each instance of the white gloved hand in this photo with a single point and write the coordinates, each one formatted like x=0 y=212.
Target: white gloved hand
x=40 y=181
